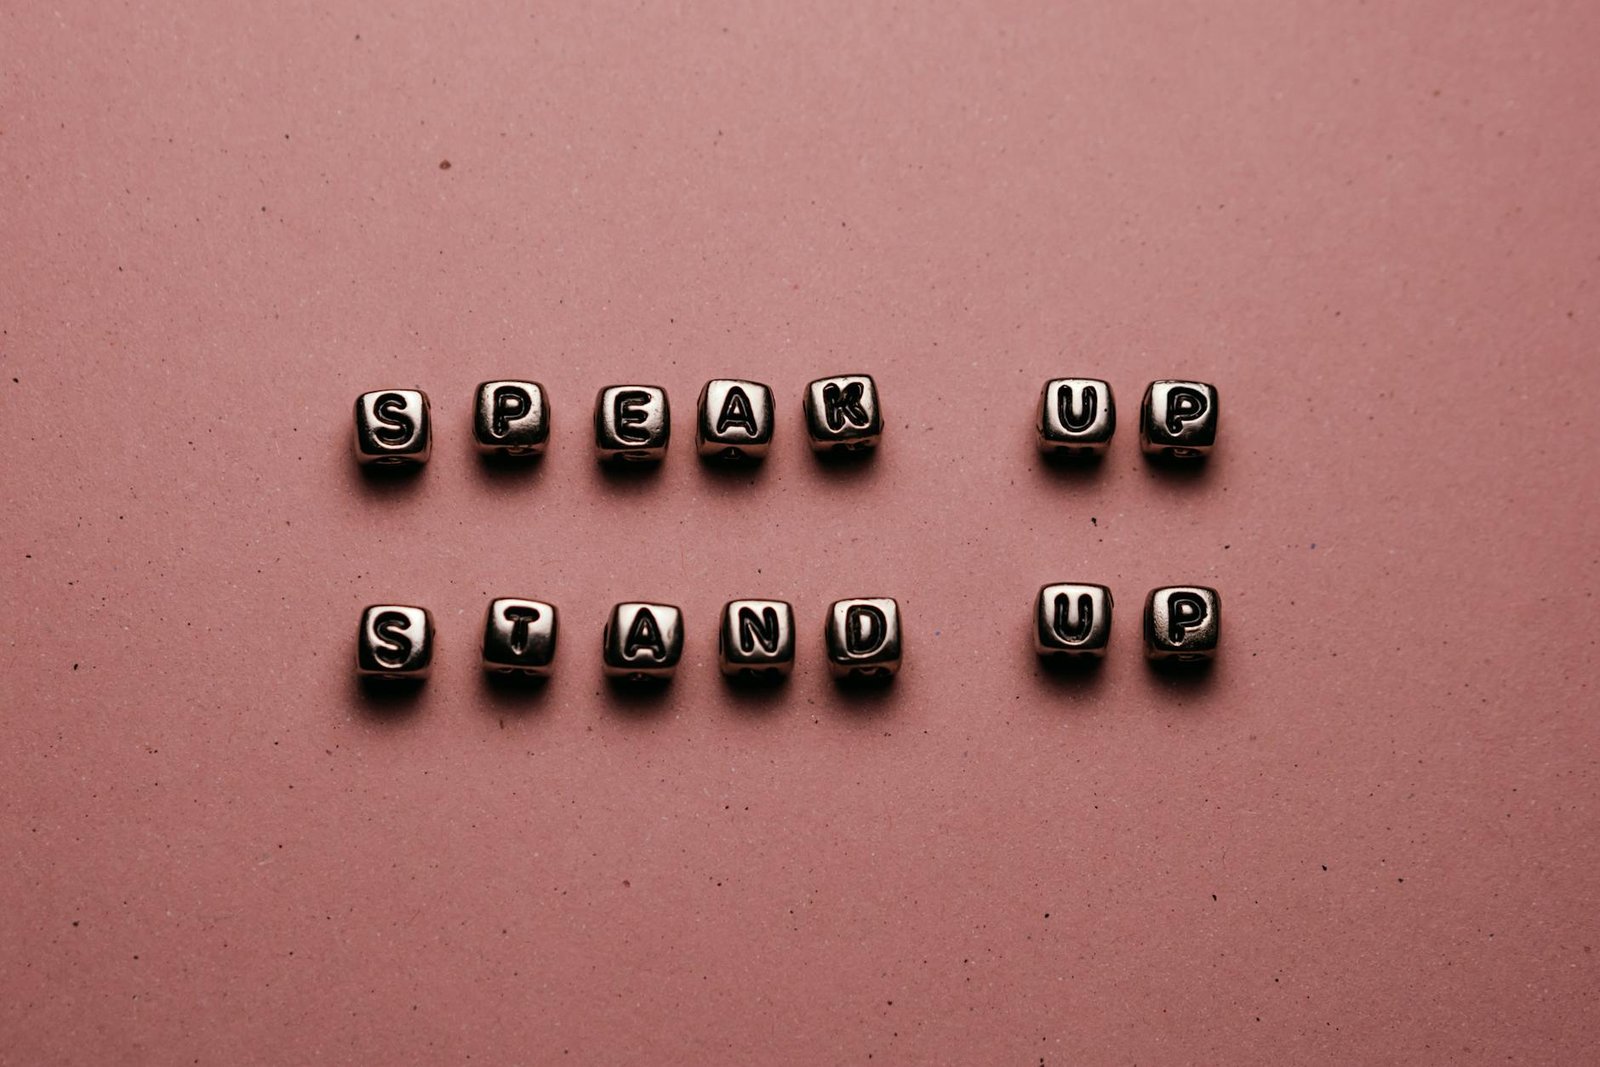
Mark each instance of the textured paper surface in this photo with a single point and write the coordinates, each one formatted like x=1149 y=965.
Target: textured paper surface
x=1369 y=835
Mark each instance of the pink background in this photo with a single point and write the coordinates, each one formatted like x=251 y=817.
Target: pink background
x=1369 y=835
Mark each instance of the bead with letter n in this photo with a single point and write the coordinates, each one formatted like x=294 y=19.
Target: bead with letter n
x=756 y=640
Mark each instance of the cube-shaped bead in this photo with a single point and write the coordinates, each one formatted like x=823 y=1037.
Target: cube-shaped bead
x=1076 y=417
x=511 y=418
x=843 y=413
x=632 y=423
x=1178 y=419
x=863 y=638
x=642 y=641
x=1072 y=619
x=392 y=427
x=519 y=637
x=756 y=639
x=395 y=641
x=1182 y=622
x=735 y=419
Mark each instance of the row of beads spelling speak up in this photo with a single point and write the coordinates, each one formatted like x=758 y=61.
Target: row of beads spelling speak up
x=633 y=423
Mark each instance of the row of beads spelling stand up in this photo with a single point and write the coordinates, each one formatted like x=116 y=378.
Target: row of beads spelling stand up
x=735 y=418
x=756 y=638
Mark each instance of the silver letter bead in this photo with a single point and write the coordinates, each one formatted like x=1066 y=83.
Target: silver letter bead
x=642 y=641
x=1182 y=622
x=842 y=413
x=1072 y=620
x=863 y=638
x=511 y=418
x=1076 y=417
x=632 y=423
x=392 y=427
x=395 y=641
x=735 y=419
x=519 y=637
x=756 y=639
x=1178 y=419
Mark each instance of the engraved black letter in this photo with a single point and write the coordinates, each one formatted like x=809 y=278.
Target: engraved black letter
x=630 y=410
x=1072 y=420
x=754 y=628
x=1184 y=405
x=1074 y=631
x=864 y=629
x=510 y=404
x=644 y=634
x=521 y=620
x=841 y=406
x=393 y=646
x=736 y=412
x=394 y=425
x=1185 y=611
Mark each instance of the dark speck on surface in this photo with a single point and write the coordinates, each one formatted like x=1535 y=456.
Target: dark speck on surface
x=444 y=164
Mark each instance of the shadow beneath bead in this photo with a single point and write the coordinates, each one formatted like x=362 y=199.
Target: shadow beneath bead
x=390 y=481
x=503 y=469
x=1073 y=470
x=629 y=477
x=638 y=697
x=1075 y=676
x=871 y=696
x=847 y=465
x=756 y=694
x=388 y=700
x=515 y=692
x=1185 y=472
x=1186 y=676
x=731 y=471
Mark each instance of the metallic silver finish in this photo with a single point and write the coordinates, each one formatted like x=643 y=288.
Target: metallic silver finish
x=1072 y=619
x=1077 y=417
x=642 y=641
x=843 y=414
x=393 y=428
x=632 y=423
x=395 y=641
x=735 y=420
x=756 y=639
x=511 y=418
x=1178 y=419
x=863 y=638
x=1182 y=622
x=519 y=637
